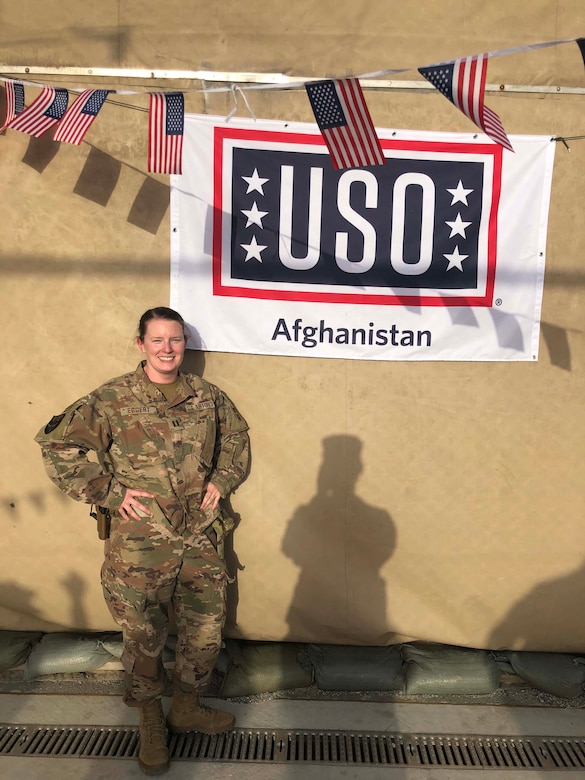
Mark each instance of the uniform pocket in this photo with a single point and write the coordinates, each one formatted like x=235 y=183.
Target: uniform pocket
x=199 y=437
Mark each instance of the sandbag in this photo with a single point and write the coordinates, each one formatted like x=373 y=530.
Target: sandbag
x=502 y=662
x=445 y=669
x=15 y=647
x=114 y=645
x=64 y=652
x=350 y=668
x=263 y=667
x=558 y=673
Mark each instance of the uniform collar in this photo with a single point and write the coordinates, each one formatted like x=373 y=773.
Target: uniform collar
x=189 y=385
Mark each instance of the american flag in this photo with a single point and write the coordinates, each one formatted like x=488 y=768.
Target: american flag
x=80 y=116
x=165 y=132
x=463 y=82
x=14 y=101
x=345 y=123
x=42 y=113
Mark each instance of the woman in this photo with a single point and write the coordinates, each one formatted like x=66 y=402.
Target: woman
x=169 y=446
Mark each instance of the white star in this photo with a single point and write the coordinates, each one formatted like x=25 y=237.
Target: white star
x=255 y=182
x=254 y=216
x=253 y=250
x=457 y=227
x=456 y=259
x=459 y=194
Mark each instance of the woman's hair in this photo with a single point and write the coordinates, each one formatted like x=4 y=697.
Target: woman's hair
x=158 y=313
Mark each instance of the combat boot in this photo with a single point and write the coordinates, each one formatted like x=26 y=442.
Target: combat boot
x=187 y=713
x=153 y=756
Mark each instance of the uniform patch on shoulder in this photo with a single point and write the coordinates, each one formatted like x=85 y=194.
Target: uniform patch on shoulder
x=54 y=423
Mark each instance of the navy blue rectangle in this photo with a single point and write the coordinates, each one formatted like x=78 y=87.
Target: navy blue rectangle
x=456 y=187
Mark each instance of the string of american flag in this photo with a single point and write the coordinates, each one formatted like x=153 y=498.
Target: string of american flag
x=339 y=107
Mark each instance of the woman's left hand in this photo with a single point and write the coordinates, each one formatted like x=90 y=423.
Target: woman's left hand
x=211 y=497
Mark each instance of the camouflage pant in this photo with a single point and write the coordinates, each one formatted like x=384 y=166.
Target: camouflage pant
x=148 y=569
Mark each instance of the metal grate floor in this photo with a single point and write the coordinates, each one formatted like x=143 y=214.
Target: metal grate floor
x=283 y=746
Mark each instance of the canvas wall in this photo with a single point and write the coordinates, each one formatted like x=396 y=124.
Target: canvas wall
x=434 y=501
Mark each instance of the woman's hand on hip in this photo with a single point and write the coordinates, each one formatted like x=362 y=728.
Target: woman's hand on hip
x=131 y=506
x=210 y=497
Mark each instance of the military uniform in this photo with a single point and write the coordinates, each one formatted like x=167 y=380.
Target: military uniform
x=173 y=557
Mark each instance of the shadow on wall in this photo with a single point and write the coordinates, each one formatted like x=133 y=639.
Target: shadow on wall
x=20 y=600
x=76 y=588
x=339 y=544
x=12 y=502
x=194 y=361
x=545 y=613
x=557 y=344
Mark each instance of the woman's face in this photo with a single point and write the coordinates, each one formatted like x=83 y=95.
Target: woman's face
x=164 y=348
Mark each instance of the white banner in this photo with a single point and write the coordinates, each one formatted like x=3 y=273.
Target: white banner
x=437 y=255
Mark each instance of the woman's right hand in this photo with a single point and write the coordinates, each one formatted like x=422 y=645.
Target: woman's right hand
x=131 y=506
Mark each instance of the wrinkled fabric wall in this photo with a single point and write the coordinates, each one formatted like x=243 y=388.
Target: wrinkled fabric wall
x=386 y=501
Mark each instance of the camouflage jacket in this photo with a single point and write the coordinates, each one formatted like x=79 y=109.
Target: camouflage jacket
x=141 y=441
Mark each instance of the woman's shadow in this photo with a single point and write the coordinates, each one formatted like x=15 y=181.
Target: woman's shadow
x=339 y=544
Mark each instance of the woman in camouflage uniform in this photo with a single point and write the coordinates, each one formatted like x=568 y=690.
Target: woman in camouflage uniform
x=169 y=446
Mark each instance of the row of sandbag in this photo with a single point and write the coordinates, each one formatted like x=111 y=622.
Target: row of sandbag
x=249 y=668
x=415 y=668
x=57 y=653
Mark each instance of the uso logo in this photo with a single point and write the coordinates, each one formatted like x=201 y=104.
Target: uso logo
x=419 y=230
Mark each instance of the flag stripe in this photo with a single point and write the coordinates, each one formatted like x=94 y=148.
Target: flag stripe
x=337 y=147
x=356 y=139
x=346 y=144
x=10 y=104
x=368 y=126
x=494 y=129
x=361 y=120
x=353 y=153
x=366 y=144
x=156 y=108
x=480 y=72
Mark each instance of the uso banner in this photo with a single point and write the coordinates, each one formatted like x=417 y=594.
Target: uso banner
x=436 y=255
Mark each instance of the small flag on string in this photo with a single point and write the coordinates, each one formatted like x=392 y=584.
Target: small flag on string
x=165 y=132
x=80 y=116
x=345 y=123
x=42 y=113
x=463 y=83
x=14 y=101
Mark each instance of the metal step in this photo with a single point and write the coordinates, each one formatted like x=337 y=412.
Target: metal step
x=458 y=751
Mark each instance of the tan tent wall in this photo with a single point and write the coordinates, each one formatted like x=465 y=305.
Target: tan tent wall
x=447 y=506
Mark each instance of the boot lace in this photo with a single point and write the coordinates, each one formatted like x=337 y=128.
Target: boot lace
x=153 y=721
